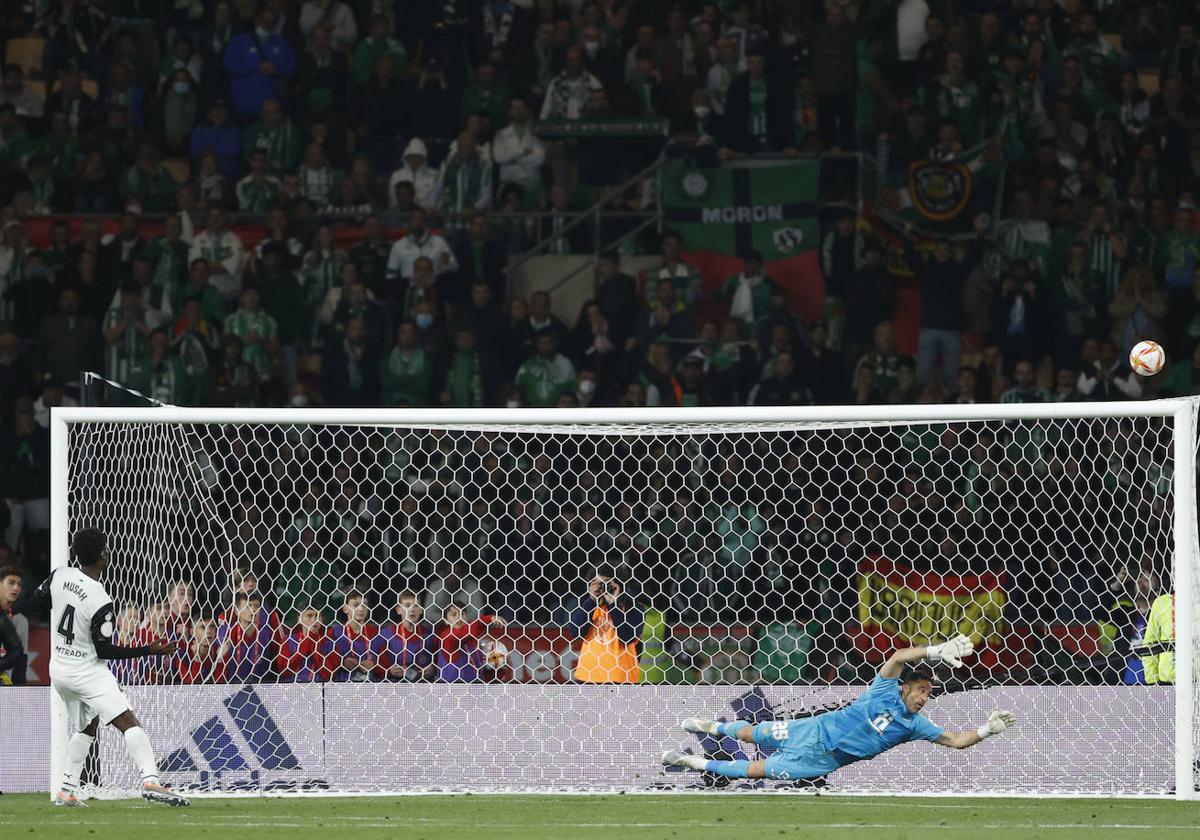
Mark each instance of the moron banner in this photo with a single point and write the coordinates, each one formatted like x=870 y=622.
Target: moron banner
x=901 y=607
x=769 y=206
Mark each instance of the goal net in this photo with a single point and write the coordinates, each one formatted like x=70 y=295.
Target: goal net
x=415 y=601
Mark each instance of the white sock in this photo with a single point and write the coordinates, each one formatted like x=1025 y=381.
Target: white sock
x=137 y=742
x=77 y=752
x=694 y=762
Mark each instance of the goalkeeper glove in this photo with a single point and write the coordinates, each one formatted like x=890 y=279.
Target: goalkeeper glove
x=952 y=651
x=997 y=722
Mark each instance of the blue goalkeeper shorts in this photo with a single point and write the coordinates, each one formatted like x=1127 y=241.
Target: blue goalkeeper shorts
x=799 y=754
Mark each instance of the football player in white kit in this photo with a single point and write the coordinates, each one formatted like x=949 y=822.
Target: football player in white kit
x=83 y=622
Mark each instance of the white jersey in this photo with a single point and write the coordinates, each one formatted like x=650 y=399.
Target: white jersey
x=79 y=608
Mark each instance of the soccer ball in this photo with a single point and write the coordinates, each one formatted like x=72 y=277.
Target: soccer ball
x=1146 y=358
x=497 y=656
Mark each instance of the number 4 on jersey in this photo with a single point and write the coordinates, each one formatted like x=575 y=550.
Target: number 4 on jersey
x=66 y=624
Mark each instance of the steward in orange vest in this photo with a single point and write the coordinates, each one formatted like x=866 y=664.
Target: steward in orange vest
x=611 y=626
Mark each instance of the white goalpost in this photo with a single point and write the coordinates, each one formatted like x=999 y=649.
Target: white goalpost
x=406 y=601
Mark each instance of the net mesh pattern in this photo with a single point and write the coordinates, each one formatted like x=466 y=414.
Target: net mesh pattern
x=523 y=607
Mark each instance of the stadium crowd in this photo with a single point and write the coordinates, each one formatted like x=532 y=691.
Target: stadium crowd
x=313 y=203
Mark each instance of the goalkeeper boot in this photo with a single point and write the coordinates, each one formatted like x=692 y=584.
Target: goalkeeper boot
x=700 y=726
x=154 y=792
x=679 y=758
x=68 y=800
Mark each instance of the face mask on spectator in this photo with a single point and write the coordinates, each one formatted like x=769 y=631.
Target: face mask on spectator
x=181 y=87
x=513 y=404
x=424 y=320
x=299 y=401
x=587 y=387
x=592 y=47
x=701 y=112
x=263 y=34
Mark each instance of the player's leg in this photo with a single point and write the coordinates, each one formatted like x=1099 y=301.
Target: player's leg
x=137 y=743
x=737 y=729
x=77 y=752
x=776 y=734
x=762 y=734
x=769 y=733
x=98 y=689
x=739 y=769
x=83 y=722
x=783 y=765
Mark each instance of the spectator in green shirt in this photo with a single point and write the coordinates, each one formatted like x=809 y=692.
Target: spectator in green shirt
x=148 y=182
x=542 y=378
x=1178 y=254
x=485 y=96
x=377 y=44
x=954 y=96
x=61 y=148
x=883 y=361
x=748 y=293
x=180 y=106
x=212 y=305
x=258 y=332
x=406 y=373
x=277 y=136
x=169 y=255
x=468 y=382
x=259 y=190
x=161 y=375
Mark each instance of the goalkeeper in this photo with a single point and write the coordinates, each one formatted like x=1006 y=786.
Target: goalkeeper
x=886 y=715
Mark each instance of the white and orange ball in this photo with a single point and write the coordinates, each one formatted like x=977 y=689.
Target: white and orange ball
x=497 y=657
x=1147 y=358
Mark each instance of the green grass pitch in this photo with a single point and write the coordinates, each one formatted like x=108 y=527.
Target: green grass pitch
x=685 y=817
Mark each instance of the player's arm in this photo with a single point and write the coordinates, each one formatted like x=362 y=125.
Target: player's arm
x=103 y=626
x=997 y=722
x=40 y=601
x=952 y=651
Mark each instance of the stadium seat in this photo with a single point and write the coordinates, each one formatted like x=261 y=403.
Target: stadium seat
x=28 y=53
x=180 y=169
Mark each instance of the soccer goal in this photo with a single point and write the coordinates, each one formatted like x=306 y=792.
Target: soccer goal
x=406 y=601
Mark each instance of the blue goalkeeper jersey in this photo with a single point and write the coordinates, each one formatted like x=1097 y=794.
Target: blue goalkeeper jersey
x=876 y=721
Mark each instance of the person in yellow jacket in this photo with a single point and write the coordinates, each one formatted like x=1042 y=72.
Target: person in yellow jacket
x=654 y=661
x=1159 y=659
x=609 y=623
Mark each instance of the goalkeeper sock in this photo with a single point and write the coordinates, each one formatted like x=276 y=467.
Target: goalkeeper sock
x=137 y=742
x=731 y=729
x=77 y=753
x=729 y=769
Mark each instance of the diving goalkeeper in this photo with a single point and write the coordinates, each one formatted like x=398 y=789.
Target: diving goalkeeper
x=886 y=715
